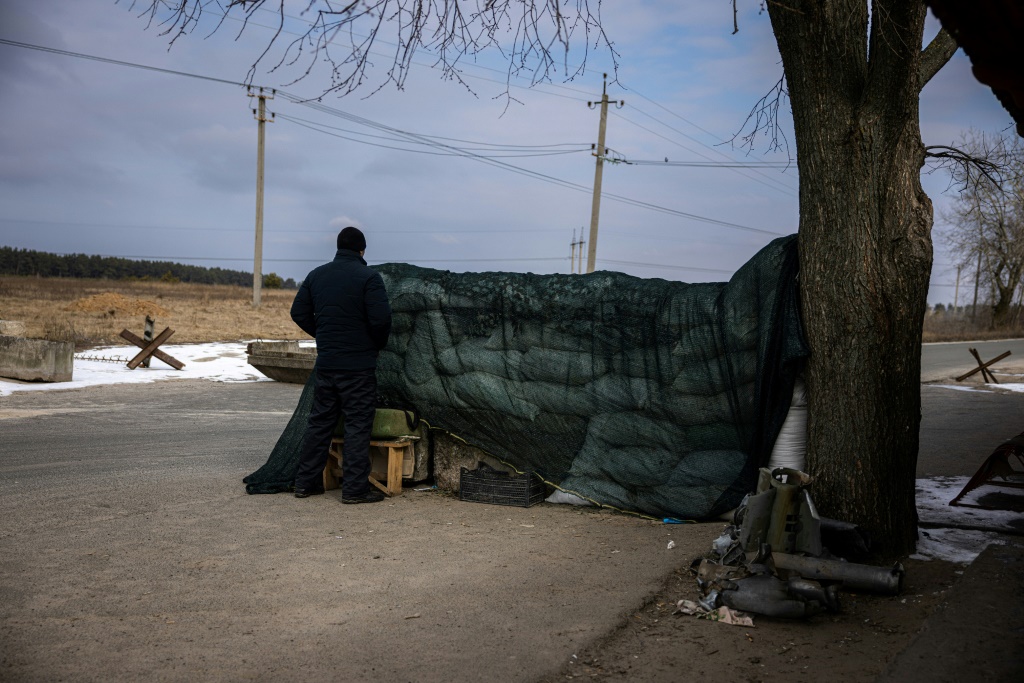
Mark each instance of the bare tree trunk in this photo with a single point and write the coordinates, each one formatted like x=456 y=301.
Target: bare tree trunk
x=865 y=252
x=1003 y=308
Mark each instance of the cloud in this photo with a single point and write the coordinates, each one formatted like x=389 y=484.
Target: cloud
x=219 y=158
x=90 y=146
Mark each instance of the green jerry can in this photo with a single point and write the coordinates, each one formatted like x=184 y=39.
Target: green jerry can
x=388 y=423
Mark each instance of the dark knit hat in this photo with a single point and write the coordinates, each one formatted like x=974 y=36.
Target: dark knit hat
x=351 y=238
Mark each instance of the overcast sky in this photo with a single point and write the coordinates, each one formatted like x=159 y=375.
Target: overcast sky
x=105 y=159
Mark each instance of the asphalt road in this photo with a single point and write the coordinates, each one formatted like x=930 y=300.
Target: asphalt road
x=959 y=429
x=950 y=359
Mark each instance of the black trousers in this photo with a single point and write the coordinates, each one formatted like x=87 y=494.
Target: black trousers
x=336 y=392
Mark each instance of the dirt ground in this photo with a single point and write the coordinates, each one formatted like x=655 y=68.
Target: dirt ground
x=655 y=644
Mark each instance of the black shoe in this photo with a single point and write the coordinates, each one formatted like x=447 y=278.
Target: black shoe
x=306 y=493
x=371 y=496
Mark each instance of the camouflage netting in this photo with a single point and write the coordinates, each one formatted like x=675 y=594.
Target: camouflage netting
x=278 y=473
x=647 y=395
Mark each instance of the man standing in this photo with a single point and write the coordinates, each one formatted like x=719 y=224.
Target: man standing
x=344 y=305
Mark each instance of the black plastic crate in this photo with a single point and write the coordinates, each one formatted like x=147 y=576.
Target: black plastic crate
x=487 y=485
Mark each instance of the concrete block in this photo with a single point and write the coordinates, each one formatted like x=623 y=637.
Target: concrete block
x=421 y=470
x=36 y=360
x=450 y=455
x=12 y=328
x=284 y=361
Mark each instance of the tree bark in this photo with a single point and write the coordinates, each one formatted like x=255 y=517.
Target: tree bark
x=1002 y=309
x=865 y=251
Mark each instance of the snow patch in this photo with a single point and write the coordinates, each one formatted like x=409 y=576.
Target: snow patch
x=217 y=362
x=961 y=546
x=984 y=388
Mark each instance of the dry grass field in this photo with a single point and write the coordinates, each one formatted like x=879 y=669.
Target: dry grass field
x=943 y=328
x=93 y=312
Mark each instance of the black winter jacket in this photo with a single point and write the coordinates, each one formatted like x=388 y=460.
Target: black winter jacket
x=344 y=305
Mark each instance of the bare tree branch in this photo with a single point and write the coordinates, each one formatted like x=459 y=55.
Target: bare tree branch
x=935 y=56
x=961 y=165
x=765 y=118
x=537 y=39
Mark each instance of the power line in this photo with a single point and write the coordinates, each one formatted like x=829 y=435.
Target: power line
x=456 y=151
x=582 y=95
x=671 y=267
x=319 y=128
x=775 y=184
x=533 y=87
x=699 y=142
x=319 y=260
x=703 y=130
x=702 y=164
x=518 y=169
x=117 y=62
x=481 y=146
x=539 y=87
x=279 y=231
x=469 y=260
x=415 y=136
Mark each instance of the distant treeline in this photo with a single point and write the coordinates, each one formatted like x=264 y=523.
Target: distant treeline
x=40 y=263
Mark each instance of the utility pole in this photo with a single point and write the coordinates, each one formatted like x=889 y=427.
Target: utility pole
x=579 y=261
x=572 y=257
x=572 y=252
x=580 y=244
x=599 y=152
x=257 y=267
x=956 y=292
